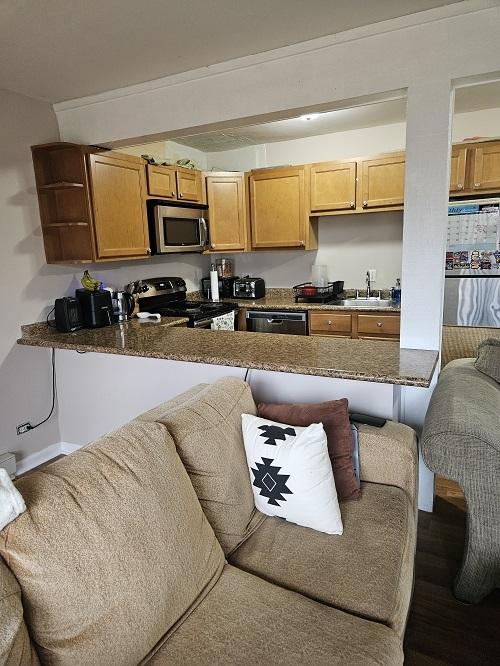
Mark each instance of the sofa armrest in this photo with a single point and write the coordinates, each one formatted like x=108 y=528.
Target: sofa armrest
x=389 y=455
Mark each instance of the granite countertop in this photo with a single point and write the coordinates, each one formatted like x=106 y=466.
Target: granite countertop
x=283 y=299
x=364 y=360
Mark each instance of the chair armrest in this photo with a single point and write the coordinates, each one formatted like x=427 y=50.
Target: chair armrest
x=389 y=455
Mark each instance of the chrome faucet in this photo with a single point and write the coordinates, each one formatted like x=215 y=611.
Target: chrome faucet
x=368 y=285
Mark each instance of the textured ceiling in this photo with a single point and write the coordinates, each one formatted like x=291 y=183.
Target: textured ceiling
x=63 y=49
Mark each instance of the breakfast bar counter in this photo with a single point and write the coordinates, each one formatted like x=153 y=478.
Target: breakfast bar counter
x=344 y=358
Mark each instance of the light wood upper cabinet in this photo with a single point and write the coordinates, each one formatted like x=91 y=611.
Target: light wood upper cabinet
x=333 y=186
x=383 y=181
x=118 y=190
x=162 y=181
x=486 y=166
x=458 y=168
x=171 y=182
x=227 y=205
x=189 y=185
x=279 y=205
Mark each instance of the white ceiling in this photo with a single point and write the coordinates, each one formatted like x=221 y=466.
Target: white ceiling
x=472 y=98
x=63 y=49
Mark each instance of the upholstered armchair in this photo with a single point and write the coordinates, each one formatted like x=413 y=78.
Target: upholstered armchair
x=461 y=441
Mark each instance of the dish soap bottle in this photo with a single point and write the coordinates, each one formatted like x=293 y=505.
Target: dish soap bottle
x=396 y=293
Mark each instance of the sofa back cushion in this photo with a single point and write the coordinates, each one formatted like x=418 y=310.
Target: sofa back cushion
x=113 y=549
x=15 y=645
x=206 y=428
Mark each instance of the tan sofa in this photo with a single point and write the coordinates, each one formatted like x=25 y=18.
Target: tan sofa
x=146 y=547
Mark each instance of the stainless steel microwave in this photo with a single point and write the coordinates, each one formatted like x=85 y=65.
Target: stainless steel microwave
x=177 y=228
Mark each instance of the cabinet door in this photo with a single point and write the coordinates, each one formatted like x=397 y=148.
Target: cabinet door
x=278 y=207
x=330 y=323
x=227 y=211
x=487 y=166
x=378 y=326
x=162 y=181
x=383 y=181
x=189 y=185
x=118 y=193
x=333 y=186
x=457 y=168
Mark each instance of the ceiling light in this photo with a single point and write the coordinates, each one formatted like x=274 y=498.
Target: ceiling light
x=310 y=116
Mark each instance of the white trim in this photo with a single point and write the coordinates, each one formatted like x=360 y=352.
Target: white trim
x=39 y=458
x=45 y=455
x=67 y=448
x=390 y=25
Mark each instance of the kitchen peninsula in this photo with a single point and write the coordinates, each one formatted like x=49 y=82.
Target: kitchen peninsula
x=341 y=358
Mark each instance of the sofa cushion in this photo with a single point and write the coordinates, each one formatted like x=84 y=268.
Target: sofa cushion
x=367 y=571
x=15 y=645
x=114 y=548
x=334 y=416
x=291 y=473
x=246 y=620
x=488 y=358
x=206 y=428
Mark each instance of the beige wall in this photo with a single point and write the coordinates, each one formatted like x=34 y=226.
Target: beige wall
x=29 y=286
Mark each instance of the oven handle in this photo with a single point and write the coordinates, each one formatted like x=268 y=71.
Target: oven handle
x=203 y=232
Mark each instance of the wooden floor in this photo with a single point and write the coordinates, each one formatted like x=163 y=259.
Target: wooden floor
x=440 y=629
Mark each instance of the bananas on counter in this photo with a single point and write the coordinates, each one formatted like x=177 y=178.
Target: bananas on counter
x=89 y=283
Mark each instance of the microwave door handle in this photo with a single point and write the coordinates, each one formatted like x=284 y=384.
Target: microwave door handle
x=203 y=231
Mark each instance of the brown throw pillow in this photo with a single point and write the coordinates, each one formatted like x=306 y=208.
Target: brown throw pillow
x=334 y=416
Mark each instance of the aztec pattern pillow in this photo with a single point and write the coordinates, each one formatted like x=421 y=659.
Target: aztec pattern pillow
x=291 y=473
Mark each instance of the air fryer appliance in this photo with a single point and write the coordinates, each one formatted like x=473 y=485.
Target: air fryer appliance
x=167 y=297
x=68 y=314
x=249 y=287
x=225 y=286
x=97 y=307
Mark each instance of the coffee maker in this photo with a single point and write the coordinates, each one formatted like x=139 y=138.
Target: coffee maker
x=97 y=307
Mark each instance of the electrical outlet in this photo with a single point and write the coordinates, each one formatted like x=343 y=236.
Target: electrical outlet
x=24 y=427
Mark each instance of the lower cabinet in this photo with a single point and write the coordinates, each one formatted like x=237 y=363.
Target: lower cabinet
x=365 y=325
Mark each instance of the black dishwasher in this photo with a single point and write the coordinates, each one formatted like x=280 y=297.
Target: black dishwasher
x=291 y=323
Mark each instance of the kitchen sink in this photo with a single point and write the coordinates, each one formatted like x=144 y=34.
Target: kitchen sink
x=366 y=302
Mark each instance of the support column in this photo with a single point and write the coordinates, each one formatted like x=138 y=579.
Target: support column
x=428 y=146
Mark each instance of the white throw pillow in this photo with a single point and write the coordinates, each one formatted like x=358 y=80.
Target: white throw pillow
x=291 y=473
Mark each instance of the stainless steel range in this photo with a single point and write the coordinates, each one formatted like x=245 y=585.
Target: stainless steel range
x=167 y=297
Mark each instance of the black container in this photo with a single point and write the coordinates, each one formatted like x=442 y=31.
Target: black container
x=225 y=287
x=97 y=307
x=68 y=314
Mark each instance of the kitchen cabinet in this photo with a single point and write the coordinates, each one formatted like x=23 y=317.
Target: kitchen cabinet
x=330 y=323
x=357 y=324
x=176 y=183
x=485 y=172
x=458 y=169
x=333 y=186
x=91 y=203
x=118 y=192
x=279 y=209
x=382 y=181
x=227 y=199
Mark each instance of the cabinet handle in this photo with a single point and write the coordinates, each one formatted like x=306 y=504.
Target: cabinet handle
x=212 y=246
x=173 y=193
x=180 y=195
x=379 y=324
x=477 y=184
x=459 y=186
x=352 y=204
x=148 y=250
x=329 y=322
x=365 y=204
x=301 y=243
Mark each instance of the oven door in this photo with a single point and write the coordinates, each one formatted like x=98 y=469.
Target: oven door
x=180 y=229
